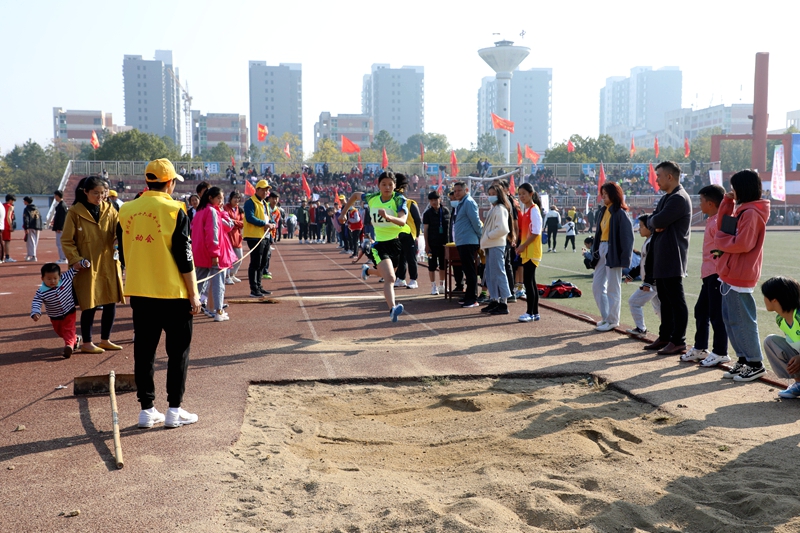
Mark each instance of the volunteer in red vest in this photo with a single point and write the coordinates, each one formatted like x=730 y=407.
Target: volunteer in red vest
x=155 y=247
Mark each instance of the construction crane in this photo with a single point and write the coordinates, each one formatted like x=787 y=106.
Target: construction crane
x=187 y=111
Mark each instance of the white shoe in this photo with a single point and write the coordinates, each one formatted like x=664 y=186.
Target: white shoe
x=434 y=289
x=412 y=284
x=601 y=323
x=235 y=279
x=229 y=281
x=525 y=318
x=606 y=327
x=714 y=360
x=694 y=355
x=176 y=418
x=149 y=417
x=399 y=283
x=221 y=317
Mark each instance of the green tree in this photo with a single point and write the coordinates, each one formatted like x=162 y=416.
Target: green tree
x=488 y=145
x=134 y=145
x=433 y=142
x=32 y=169
x=384 y=140
x=221 y=152
x=272 y=151
x=328 y=152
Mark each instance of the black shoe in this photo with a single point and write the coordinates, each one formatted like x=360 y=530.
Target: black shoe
x=511 y=299
x=263 y=292
x=489 y=308
x=459 y=288
x=501 y=309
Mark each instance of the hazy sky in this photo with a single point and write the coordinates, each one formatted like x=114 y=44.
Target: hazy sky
x=69 y=54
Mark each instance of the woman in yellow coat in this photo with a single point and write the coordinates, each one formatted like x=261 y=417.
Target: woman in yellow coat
x=89 y=234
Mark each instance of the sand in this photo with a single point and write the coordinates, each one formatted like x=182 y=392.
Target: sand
x=494 y=455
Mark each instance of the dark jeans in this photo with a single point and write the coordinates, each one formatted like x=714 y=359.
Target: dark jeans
x=408 y=260
x=268 y=247
x=709 y=309
x=551 y=237
x=303 y=232
x=257 y=261
x=531 y=292
x=509 y=257
x=151 y=316
x=313 y=230
x=106 y=322
x=329 y=233
x=674 y=312
x=466 y=253
x=569 y=238
x=355 y=237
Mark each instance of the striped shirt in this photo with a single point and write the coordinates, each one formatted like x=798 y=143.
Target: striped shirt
x=59 y=300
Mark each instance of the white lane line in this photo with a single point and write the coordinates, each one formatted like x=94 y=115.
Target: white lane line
x=371 y=297
x=5 y=293
x=418 y=321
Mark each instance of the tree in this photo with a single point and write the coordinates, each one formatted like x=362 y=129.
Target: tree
x=31 y=169
x=221 y=152
x=384 y=140
x=488 y=145
x=134 y=145
x=328 y=151
x=433 y=142
x=272 y=151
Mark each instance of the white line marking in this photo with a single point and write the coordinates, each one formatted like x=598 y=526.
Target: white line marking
x=371 y=297
x=5 y=293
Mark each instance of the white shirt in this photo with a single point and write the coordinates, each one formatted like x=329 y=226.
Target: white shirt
x=2 y=217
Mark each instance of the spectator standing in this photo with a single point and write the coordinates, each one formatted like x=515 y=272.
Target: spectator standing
x=355 y=226
x=212 y=249
x=493 y=242
x=89 y=233
x=646 y=292
x=10 y=225
x=236 y=215
x=552 y=223
x=256 y=225
x=162 y=288
x=408 y=259
x=570 y=234
x=3 y=231
x=33 y=225
x=59 y=217
x=529 y=249
x=613 y=247
x=303 y=220
x=467 y=229
x=291 y=224
x=436 y=221
x=670 y=223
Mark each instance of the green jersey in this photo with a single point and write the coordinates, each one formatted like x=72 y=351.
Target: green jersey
x=792 y=333
x=385 y=230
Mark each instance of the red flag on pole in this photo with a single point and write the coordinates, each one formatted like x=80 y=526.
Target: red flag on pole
x=360 y=170
x=511 y=187
x=306 y=188
x=453 y=163
x=499 y=123
x=633 y=148
x=651 y=178
x=249 y=190
x=421 y=152
x=519 y=155
x=336 y=195
x=441 y=179
x=686 y=149
x=385 y=160
x=570 y=147
x=601 y=180
x=349 y=147
x=655 y=147
x=262 y=133
x=233 y=162
x=288 y=153
x=530 y=154
x=94 y=142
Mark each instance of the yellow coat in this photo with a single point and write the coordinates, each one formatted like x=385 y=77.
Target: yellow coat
x=83 y=238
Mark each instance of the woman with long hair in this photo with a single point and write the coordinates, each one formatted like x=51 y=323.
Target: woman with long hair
x=493 y=242
x=212 y=249
x=612 y=249
x=90 y=230
x=236 y=214
x=529 y=249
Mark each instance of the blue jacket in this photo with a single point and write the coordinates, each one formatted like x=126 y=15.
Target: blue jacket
x=620 y=238
x=468 y=225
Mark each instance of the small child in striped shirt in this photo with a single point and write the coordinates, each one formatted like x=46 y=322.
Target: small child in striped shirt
x=57 y=296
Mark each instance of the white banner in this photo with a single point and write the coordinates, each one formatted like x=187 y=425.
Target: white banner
x=778 y=187
x=545 y=202
x=716 y=177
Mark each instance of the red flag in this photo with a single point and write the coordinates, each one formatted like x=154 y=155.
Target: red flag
x=306 y=188
x=601 y=180
x=655 y=147
x=441 y=180
x=511 y=187
x=360 y=170
x=233 y=162
x=519 y=155
x=651 y=178
x=349 y=147
x=453 y=163
x=94 y=142
x=530 y=154
x=570 y=147
x=421 y=152
x=249 y=190
x=262 y=133
x=686 y=149
x=502 y=124
x=336 y=195
x=385 y=160
x=289 y=155
x=633 y=148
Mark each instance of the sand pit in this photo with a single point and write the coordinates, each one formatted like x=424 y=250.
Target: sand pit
x=493 y=455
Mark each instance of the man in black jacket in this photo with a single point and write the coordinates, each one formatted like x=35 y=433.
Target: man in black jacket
x=58 y=223
x=670 y=224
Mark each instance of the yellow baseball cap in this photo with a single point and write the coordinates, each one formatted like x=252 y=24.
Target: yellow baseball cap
x=112 y=193
x=161 y=170
x=263 y=184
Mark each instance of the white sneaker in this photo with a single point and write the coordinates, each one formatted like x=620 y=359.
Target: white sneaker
x=525 y=318
x=602 y=322
x=229 y=281
x=434 y=289
x=221 y=317
x=714 y=360
x=149 y=417
x=236 y=280
x=364 y=271
x=399 y=283
x=694 y=355
x=606 y=327
x=412 y=284
x=176 y=418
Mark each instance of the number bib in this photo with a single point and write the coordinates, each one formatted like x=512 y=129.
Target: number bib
x=385 y=230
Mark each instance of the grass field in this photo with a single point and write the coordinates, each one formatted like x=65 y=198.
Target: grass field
x=780 y=258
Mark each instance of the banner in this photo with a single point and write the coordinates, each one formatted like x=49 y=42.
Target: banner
x=545 y=203
x=432 y=168
x=319 y=168
x=267 y=167
x=778 y=188
x=715 y=176
x=212 y=168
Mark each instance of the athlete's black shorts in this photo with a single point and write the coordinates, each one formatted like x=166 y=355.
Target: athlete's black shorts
x=436 y=257
x=387 y=250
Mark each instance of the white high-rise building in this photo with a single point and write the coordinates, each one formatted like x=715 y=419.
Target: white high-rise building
x=637 y=105
x=276 y=99
x=395 y=99
x=152 y=97
x=531 y=108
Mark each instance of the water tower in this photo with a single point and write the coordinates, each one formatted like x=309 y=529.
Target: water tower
x=504 y=57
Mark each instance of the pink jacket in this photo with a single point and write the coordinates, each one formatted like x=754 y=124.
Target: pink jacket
x=709 y=266
x=740 y=265
x=209 y=238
